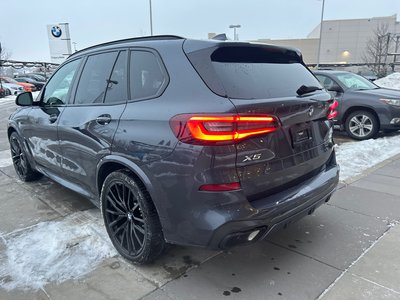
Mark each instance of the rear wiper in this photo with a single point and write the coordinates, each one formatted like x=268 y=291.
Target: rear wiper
x=304 y=89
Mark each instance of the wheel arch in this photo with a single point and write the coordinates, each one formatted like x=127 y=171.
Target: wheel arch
x=113 y=163
x=10 y=130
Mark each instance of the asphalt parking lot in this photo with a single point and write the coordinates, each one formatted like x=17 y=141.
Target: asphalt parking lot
x=348 y=249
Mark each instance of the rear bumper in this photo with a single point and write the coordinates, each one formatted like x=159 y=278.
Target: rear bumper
x=220 y=220
x=278 y=213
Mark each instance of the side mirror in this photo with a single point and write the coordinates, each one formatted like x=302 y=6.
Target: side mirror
x=335 y=88
x=24 y=99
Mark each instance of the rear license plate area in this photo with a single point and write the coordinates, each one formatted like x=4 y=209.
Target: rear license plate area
x=301 y=134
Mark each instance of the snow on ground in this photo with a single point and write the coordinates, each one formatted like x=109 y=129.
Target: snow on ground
x=12 y=98
x=355 y=157
x=391 y=81
x=7 y=99
x=5 y=158
x=55 y=251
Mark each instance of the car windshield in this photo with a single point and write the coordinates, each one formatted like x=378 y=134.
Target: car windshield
x=356 y=82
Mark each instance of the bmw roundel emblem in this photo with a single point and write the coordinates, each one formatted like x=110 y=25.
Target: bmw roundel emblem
x=56 y=31
x=310 y=110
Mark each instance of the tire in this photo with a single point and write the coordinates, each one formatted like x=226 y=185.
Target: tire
x=361 y=125
x=130 y=218
x=20 y=160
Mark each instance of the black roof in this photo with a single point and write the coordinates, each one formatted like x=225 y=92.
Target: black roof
x=333 y=72
x=194 y=44
x=130 y=40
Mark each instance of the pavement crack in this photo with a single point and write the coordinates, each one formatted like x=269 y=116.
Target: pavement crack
x=302 y=254
x=352 y=264
x=375 y=283
x=360 y=213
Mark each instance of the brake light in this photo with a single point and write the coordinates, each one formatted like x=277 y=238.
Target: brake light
x=220 y=128
x=220 y=187
x=332 y=112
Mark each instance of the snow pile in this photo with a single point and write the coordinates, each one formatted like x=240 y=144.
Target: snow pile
x=12 y=98
x=5 y=158
x=391 y=81
x=54 y=251
x=7 y=99
x=356 y=157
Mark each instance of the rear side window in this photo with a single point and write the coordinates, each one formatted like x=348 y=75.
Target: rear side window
x=147 y=77
x=95 y=77
x=257 y=72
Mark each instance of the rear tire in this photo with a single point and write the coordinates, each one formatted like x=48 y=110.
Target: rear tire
x=361 y=125
x=130 y=218
x=20 y=160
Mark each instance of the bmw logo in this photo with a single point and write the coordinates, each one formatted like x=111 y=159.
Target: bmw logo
x=310 y=110
x=56 y=31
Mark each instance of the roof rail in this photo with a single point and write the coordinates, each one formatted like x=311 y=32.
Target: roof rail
x=142 y=38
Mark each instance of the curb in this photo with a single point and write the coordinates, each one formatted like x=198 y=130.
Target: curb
x=370 y=170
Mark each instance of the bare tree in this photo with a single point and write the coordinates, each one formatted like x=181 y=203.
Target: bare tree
x=377 y=49
x=4 y=55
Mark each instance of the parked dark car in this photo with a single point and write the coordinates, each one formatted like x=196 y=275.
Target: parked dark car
x=42 y=74
x=364 y=108
x=38 y=85
x=202 y=143
x=36 y=77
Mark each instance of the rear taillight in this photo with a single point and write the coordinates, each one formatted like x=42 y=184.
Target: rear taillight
x=222 y=187
x=220 y=128
x=332 y=112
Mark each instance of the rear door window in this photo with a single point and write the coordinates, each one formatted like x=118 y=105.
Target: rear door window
x=117 y=91
x=95 y=77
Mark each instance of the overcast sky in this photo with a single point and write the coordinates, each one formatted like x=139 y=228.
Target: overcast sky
x=23 y=23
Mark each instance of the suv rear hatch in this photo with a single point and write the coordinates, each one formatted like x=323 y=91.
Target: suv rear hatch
x=263 y=80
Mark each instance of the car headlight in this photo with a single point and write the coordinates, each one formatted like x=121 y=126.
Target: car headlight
x=395 y=102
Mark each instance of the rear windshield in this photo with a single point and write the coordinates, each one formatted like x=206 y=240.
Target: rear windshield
x=255 y=73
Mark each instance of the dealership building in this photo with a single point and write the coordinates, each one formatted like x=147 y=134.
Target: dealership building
x=343 y=41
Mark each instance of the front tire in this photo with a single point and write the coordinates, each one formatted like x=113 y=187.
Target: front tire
x=20 y=160
x=361 y=125
x=130 y=218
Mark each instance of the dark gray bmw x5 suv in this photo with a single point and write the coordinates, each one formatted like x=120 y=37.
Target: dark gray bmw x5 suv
x=201 y=143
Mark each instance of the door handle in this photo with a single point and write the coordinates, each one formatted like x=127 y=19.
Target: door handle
x=103 y=119
x=53 y=118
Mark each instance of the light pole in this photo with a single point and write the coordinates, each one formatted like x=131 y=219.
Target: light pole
x=235 y=37
x=151 y=18
x=320 y=34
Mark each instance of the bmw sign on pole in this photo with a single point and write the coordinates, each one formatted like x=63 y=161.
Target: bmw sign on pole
x=59 y=42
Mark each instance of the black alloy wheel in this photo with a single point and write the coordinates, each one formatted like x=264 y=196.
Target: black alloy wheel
x=130 y=218
x=20 y=160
